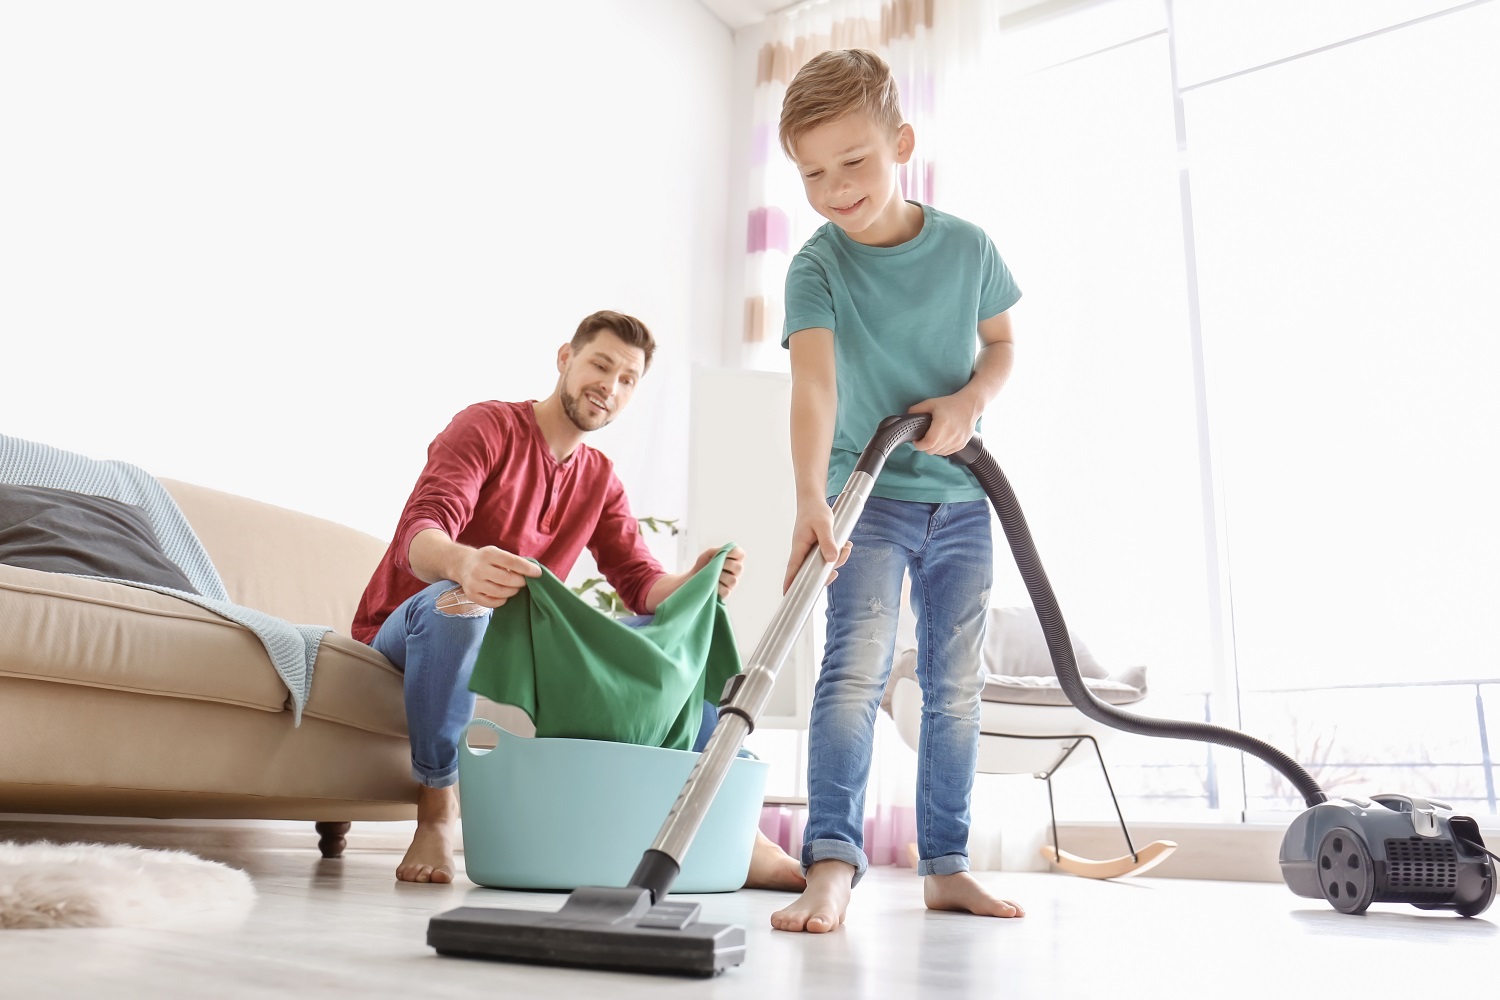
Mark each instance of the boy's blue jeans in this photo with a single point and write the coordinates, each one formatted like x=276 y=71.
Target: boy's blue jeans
x=948 y=549
x=435 y=652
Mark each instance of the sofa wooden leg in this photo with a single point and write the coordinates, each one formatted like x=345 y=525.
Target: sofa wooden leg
x=331 y=838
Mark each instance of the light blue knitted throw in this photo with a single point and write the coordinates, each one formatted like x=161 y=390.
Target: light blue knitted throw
x=292 y=648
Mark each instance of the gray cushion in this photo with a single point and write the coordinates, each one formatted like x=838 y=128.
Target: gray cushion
x=1018 y=666
x=59 y=531
x=1016 y=646
x=1123 y=688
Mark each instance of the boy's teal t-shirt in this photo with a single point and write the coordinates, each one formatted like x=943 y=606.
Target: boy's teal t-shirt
x=905 y=328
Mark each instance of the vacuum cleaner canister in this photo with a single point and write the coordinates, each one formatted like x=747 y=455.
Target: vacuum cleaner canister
x=1388 y=849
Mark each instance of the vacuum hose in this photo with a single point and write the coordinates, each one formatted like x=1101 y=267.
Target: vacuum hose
x=894 y=431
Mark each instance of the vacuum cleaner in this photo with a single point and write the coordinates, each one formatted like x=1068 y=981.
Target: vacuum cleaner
x=1351 y=851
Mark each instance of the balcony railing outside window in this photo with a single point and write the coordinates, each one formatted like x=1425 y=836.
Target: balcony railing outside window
x=1429 y=738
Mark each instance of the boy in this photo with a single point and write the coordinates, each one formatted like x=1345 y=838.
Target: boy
x=882 y=306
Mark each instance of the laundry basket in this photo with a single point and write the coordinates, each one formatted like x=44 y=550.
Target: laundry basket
x=559 y=814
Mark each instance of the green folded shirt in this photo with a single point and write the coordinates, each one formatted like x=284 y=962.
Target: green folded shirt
x=583 y=675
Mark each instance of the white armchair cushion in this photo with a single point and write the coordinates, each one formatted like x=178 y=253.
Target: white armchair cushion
x=1125 y=688
x=1018 y=666
x=1016 y=646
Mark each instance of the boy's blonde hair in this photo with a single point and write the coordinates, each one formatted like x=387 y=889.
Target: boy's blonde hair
x=834 y=85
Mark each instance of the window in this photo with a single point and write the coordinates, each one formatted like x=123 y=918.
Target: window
x=1296 y=534
x=1346 y=221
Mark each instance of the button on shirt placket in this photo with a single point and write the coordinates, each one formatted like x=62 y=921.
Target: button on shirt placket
x=557 y=476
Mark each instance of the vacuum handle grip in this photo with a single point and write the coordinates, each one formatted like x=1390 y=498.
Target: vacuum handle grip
x=891 y=432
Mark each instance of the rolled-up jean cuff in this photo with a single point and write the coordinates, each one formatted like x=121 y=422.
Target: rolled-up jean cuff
x=835 y=850
x=443 y=780
x=948 y=864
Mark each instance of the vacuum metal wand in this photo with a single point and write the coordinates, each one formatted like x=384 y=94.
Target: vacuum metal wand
x=744 y=699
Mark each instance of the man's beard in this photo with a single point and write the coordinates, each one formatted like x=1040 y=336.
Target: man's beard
x=579 y=410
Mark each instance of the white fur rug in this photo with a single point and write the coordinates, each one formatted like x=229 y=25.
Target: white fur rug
x=112 y=885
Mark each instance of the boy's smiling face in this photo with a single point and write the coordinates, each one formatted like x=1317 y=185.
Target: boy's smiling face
x=846 y=169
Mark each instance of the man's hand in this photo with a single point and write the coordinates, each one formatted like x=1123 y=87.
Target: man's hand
x=668 y=583
x=729 y=576
x=491 y=576
x=953 y=420
x=814 y=528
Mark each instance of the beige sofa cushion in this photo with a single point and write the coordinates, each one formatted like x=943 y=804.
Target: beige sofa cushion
x=356 y=686
x=69 y=630
x=70 y=749
x=107 y=635
x=304 y=569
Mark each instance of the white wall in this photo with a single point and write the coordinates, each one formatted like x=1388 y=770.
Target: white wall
x=272 y=247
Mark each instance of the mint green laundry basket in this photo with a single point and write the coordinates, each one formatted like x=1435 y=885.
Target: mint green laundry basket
x=559 y=814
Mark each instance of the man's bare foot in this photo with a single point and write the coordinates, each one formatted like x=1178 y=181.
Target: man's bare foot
x=773 y=868
x=430 y=856
x=821 y=906
x=963 y=893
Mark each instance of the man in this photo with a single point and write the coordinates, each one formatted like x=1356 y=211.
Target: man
x=506 y=483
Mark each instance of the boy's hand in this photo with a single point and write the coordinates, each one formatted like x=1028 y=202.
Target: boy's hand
x=814 y=528
x=729 y=576
x=491 y=576
x=953 y=420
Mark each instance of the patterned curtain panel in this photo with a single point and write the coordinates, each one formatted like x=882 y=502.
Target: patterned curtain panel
x=932 y=46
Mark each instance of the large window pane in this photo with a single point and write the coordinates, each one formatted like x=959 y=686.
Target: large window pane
x=1219 y=37
x=1346 y=218
x=1077 y=182
x=1353 y=741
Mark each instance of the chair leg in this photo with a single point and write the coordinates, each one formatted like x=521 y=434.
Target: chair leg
x=331 y=838
x=1052 y=812
x=1140 y=861
x=1110 y=785
x=1047 y=777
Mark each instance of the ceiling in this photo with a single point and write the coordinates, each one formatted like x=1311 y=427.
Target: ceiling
x=743 y=13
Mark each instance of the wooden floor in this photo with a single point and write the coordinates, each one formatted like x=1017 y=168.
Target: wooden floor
x=345 y=928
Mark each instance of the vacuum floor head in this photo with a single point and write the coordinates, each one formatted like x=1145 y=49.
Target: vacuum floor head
x=598 y=928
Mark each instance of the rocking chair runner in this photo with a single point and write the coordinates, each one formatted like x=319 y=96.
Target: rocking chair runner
x=1028 y=726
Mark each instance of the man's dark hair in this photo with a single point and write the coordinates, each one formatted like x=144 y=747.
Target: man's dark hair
x=627 y=328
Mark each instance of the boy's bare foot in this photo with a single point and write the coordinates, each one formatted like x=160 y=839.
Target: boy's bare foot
x=430 y=856
x=821 y=906
x=773 y=868
x=963 y=893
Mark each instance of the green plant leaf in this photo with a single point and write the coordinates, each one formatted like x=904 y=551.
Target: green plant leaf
x=604 y=596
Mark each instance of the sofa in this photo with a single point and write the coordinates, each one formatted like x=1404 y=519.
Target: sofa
x=124 y=702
